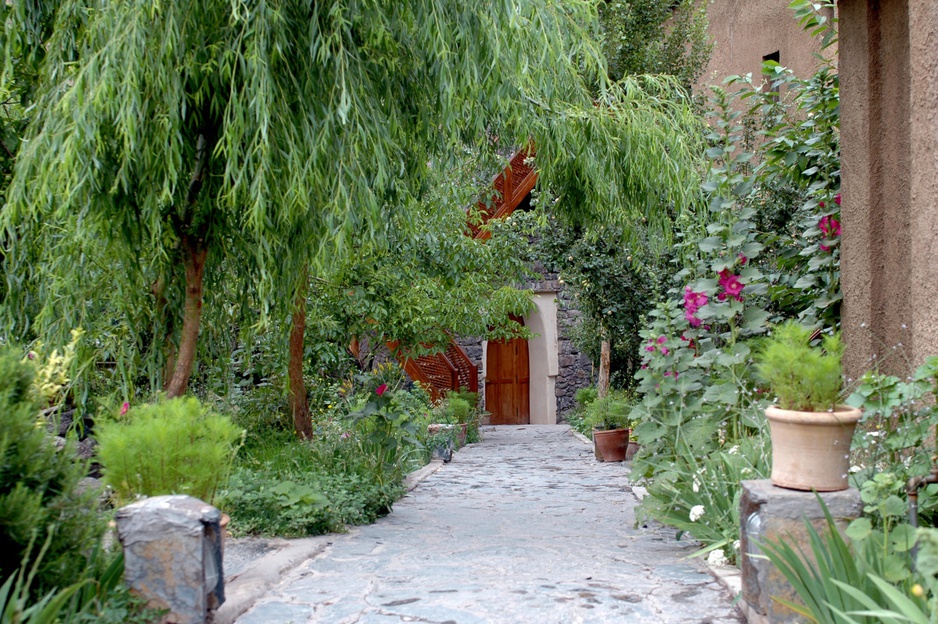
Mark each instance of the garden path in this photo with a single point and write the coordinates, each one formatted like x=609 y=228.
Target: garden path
x=525 y=526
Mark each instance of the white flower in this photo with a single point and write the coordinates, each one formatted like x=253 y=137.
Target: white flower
x=854 y=469
x=696 y=512
x=696 y=485
x=717 y=558
x=736 y=546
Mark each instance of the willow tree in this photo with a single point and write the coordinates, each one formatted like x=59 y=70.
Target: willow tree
x=279 y=131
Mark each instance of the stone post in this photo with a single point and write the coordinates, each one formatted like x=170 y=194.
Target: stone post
x=773 y=513
x=173 y=555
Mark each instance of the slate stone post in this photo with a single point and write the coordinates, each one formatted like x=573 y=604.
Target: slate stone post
x=173 y=555
x=779 y=514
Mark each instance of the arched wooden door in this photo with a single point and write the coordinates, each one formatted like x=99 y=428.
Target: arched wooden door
x=508 y=382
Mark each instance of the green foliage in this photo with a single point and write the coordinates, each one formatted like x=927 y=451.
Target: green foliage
x=899 y=420
x=585 y=396
x=700 y=495
x=39 y=499
x=845 y=583
x=649 y=36
x=610 y=412
x=804 y=378
x=286 y=487
x=175 y=446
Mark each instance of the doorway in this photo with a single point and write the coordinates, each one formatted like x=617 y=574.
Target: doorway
x=508 y=381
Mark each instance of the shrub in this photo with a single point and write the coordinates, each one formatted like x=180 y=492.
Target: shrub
x=172 y=447
x=610 y=412
x=804 y=378
x=39 y=500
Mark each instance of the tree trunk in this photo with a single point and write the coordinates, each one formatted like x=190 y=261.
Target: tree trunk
x=299 y=405
x=169 y=347
x=195 y=250
x=605 y=355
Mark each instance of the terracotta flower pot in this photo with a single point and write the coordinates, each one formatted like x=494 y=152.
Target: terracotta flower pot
x=632 y=450
x=611 y=444
x=811 y=450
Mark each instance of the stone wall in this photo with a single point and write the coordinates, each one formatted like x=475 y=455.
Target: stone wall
x=575 y=370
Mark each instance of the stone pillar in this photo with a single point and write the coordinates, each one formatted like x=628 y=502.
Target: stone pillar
x=767 y=512
x=172 y=555
x=889 y=141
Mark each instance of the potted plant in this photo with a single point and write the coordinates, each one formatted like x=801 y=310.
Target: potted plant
x=810 y=431
x=609 y=419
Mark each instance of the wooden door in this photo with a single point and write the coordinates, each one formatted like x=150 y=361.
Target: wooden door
x=508 y=382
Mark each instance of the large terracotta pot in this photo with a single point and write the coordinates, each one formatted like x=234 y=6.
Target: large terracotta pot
x=811 y=450
x=611 y=444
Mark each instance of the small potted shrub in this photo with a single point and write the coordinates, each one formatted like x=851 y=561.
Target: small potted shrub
x=811 y=432
x=609 y=418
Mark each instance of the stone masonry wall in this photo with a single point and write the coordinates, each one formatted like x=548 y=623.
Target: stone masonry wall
x=575 y=370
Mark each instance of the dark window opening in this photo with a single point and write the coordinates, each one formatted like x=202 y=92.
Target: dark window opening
x=769 y=73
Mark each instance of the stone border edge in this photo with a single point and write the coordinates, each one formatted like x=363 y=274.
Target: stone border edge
x=245 y=589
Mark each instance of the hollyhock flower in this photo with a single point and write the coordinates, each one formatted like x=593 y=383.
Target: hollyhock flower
x=837 y=199
x=825 y=248
x=693 y=320
x=380 y=390
x=830 y=226
x=664 y=351
x=743 y=260
x=733 y=287
x=125 y=408
x=650 y=349
x=662 y=339
x=671 y=374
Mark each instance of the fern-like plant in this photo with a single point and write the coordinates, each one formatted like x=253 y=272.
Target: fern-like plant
x=804 y=378
x=172 y=447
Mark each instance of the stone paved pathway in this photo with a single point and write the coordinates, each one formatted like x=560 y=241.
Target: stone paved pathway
x=525 y=527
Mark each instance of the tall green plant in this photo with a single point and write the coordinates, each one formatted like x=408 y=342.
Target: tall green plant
x=173 y=447
x=39 y=497
x=804 y=378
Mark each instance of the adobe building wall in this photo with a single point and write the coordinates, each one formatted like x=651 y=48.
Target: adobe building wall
x=744 y=32
x=889 y=145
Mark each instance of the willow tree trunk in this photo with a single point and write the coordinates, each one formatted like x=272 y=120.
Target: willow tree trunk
x=605 y=357
x=299 y=404
x=195 y=249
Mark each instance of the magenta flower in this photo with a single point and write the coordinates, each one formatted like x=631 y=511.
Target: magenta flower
x=837 y=199
x=693 y=301
x=830 y=226
x=664 y=351
x=650 y=349
x=125 y=408
x=743 y=260
x=731 y=285
x=380 y=390
x=662 y=339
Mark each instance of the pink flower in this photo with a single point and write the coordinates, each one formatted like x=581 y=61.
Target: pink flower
x=125 y=408
x=671 y=374
x=664 y=351
x=662 y=339
x=693 y=320
x=825 y=248
x=837 y=199
x=743 y=260
x=650 y=349
x=830 y=226
x=731 y=285
x=380 y=390
x=346 y=435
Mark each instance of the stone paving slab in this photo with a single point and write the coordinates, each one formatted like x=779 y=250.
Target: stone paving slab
x=525 y=526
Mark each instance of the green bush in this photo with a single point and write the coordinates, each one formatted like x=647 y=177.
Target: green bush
x=585 y=396
x=39 y=500
x=804 y=378
x=292 y=488
x=610 y=412
x=171 y=447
